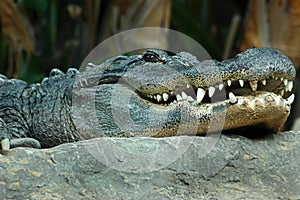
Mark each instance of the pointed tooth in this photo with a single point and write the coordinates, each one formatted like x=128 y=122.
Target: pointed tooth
x=276 y=78
x=200 y=94
x=281 y=92
x=178 y=97
x=188 y=86
x=221 y=86
x=232 y=98
x=290 y=86
x=229 y=82
x=158 y=97
x=253 y=85
x=211 y=91
x=264 y=81
x=281 y=78
x=150 y=96
x=273 y=76
x=291 y=99
x=241 y=83
x=5 y=144
x=165 y=96
x=172 y=92
x=285 y=81
x=184 y=95
x=286 y=89
x=154 y=97
x=189 y=98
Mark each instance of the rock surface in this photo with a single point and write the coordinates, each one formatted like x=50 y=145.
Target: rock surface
x=215 y=167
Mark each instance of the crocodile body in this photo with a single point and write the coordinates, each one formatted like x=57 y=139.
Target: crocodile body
x=152 y=94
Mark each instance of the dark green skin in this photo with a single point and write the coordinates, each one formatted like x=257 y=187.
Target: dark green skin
x=99 y=101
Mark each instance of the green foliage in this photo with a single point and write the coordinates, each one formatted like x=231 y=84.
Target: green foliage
x=33 y=72
x=3 y=54
x=39 y=6
x=186 y=21
x=60 y=40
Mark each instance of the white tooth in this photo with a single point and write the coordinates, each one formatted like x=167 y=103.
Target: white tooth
x=253 y=85
x=221 y=85
x=200 y=94
x=184 y=95
x=189 y=98
x=276 y=78
x=158 y=97
x=178 y=97
x=241 y=83
x=281 y=92
x=165 y=96
x=291 y=99
x=264 y=82
x=229 y=82
x=5 y=144
x=211 y=91
x=172 y=92
x=232 y=98
x=290 y=86
x=273 y=76
x=187 y=85
x=154 y=97
x=286 y=88
x=150 y=96
x=285 y=81
x=281 y=78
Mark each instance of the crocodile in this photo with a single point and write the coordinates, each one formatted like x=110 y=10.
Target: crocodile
x=154 y=94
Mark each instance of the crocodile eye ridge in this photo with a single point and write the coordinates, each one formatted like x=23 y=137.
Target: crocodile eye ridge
x=151 y=57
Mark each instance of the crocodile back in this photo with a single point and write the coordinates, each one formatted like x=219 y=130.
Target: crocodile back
x=12 y=108
x=51 y=122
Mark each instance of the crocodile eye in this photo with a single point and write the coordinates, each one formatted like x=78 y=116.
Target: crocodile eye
x=150 y=57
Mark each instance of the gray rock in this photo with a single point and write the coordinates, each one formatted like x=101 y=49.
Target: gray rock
x=225 y=167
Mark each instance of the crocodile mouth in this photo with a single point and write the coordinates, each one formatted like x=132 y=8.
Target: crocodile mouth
x=229 y=90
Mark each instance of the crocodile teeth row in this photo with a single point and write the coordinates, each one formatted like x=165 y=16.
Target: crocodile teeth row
x=201 y=93
x=211 y=90
x=159 y=97
x=253 y=84
x=184 y=96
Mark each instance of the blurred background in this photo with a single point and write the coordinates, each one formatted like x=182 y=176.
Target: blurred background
x=38 y=35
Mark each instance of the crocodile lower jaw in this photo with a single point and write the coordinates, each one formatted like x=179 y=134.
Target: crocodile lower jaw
x=263 y=110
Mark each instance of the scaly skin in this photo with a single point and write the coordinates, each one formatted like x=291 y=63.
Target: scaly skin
x=153 y=94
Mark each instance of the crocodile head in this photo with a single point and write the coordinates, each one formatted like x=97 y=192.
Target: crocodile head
x=159 y=93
